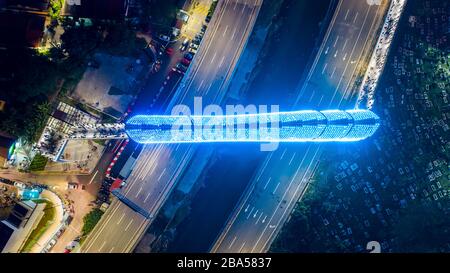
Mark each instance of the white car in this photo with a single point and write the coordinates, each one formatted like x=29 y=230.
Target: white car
x=165 y=38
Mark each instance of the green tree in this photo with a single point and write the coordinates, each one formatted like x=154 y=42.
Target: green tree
x=90 y=220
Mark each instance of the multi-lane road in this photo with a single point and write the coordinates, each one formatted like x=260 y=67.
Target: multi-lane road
x=284 y=174
x=159 y=167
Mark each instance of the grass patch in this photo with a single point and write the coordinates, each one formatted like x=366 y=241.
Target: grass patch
x=46 y=221
x=100 y=141
x=212 y=8
x=90 y=220
x=38 y=164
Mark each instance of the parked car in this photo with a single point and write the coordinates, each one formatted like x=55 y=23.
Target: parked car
x=169 y=51
x=194 y=46
x=184 y=44
x=164 y=38
x=186 y=62
x=189 y=56
x=182 y=67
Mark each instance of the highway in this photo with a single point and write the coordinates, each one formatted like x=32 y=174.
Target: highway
x=284 y=174
x=159 y=167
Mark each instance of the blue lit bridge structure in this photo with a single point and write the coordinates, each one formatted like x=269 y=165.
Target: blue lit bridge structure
x=297 y=126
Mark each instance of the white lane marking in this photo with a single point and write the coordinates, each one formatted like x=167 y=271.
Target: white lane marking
x=235 y=4
x=201 y=84
x=247 y=208
x=146 y=197
x=234 y=33
x=351 y=56
x=264 y=220
x=267 y=183
x=221 y=61
x=162 y=173
x=345 y=44
x=335 y=42
x=286 y=191
x=324 y=67
x=213 y=58
x=282 y=155
x=276 y=188
x=129 y=224
x=209 y=87
x=345 y=57
x=332 y=74
x=139 y=191
x=121 y=218
x=335 y=54
x=243 y=7
x=320 y=101
x=264 y=167
x=292 y=158
x=312 y=95
x=290 y=202
x=242 y=247
x=154 y=168
x=346 y=14
x=92 y=179
x=250 y=213
x=235 y=237
x=111 y=250
x=256 y=213
x=225 y=31
x=356 y=16
x=259 y=218
x=101 y=247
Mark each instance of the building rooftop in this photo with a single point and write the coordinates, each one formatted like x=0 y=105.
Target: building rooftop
x=21 y=30
x=6 y=232
x=97 y=9
x=32 y=4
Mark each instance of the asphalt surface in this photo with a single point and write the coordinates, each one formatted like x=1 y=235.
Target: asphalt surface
x=284 y=174
x=159 y=166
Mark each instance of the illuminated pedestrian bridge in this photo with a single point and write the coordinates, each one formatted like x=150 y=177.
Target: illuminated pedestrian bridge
x=296 y=126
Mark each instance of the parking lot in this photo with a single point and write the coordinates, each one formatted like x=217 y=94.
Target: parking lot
x=107 y=84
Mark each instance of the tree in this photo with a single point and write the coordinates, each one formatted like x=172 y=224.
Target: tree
x=90 y=220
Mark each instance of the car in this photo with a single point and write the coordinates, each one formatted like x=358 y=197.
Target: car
x=204 y=28
x=208 y=18
x=164 y=38
x=193 y=50
x=72 y=185
x=50 y=245
x=194 y=46
x=175 y=70
x=199 y=37
x=182 y=67
x=184 y=44
x=186 y=62
x=169 y=51
x=189 y=56
x=183 y=47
